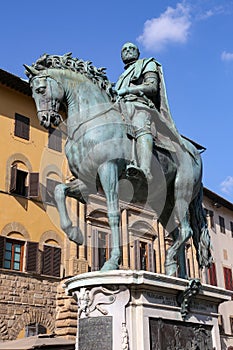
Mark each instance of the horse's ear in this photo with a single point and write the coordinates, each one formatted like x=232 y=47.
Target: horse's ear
x=30 y=70
x=68 y=54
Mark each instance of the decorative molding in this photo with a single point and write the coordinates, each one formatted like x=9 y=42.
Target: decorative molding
x=89 y=301
x=51 y=235
x=142 y=228
x=125 y=337
x=15 y=227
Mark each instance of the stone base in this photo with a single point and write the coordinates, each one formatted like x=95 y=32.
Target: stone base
x=141 y=310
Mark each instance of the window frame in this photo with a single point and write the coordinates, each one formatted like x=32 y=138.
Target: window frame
x=18 y=185
x=97 y=250
x=231 y=228
x=231 y=324
x=222 y=224
x=33 y=329
x=13 y=252
x=144 y=255
x=210 y=214
x=212 y=275
x=227 y=273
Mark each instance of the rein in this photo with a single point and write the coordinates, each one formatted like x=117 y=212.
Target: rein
x=99 y=114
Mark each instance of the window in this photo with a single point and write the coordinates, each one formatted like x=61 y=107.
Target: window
x=228 y=278
x=51 y=261
x=22 y=126
x=11 y=254
x=50 y=188
x=231 y=323
x=46 y=262
x=24 y=183
x=212 y=275
x=221 y=324
x=222 y=224
x=55 y=139
x=34 y=329
x=144 y=256
x=101 y=249
x=231 y=225
x=210 y=215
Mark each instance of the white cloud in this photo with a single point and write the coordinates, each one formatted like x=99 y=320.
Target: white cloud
x=171 y=27
x=227 y=56
x=217 y=10
x=207 y=14
x=227 y=185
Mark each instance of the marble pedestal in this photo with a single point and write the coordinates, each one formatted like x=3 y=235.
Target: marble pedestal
x=138 y=310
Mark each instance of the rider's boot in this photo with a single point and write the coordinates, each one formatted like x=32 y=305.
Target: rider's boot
x=144 y=151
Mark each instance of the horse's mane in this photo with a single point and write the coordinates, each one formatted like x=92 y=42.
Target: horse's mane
x=97 y=75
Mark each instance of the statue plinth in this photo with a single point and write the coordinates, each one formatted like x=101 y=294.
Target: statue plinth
x=142 y=310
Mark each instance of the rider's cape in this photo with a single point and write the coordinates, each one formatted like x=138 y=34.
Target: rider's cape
x=163 y=125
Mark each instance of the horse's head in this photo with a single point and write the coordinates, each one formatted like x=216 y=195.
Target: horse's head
x=48 y=94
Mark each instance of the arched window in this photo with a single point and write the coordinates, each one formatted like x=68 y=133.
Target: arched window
x=50 y=180
x=142 y=244
x=34 y=329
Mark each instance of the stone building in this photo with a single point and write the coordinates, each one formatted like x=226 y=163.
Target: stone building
x=220 y=222
x=35 y=255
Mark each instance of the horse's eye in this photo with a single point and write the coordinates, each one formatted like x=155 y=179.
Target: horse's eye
x=40 y=90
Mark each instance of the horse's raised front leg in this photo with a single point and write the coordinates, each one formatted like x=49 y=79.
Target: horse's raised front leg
x=75 y=189
x=108 y=174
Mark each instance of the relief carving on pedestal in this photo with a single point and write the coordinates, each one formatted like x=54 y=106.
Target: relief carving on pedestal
x=175 y=335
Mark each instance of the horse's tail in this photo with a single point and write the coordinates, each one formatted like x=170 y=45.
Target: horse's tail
x=201 y=236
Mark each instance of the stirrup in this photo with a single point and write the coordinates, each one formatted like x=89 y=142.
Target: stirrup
x=133 y=171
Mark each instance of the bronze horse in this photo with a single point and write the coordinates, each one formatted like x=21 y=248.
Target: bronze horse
x=98 y=150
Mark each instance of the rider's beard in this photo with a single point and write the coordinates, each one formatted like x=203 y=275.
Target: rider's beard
x=129 y=59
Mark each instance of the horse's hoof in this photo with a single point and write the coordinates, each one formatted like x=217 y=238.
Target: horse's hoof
x=110 y=265
x=74 y=234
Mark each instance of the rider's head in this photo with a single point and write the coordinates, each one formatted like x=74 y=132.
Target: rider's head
x=129 y=53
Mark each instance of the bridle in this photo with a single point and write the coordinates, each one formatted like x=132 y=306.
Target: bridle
x=51 y=107
x=51 y=110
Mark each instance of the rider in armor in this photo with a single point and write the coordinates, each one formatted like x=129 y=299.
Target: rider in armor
x=137 y=82
x=142 y=90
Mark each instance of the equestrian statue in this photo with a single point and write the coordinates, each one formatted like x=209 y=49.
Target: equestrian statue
x=123 y=132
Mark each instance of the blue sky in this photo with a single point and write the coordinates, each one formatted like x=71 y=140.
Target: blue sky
x=192 y=40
